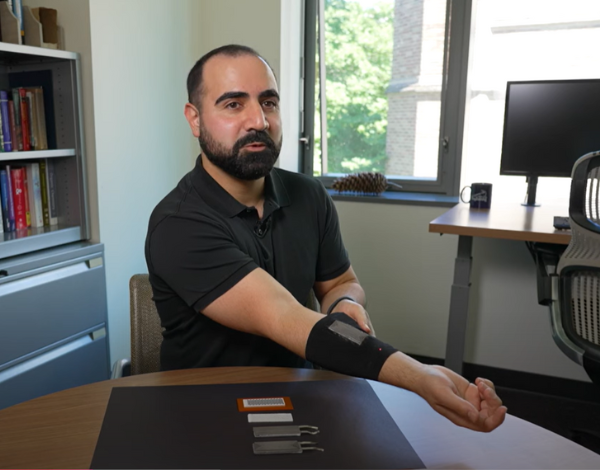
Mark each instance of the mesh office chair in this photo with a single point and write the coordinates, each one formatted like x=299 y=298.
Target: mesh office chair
x=575 y=305
x=146 y=331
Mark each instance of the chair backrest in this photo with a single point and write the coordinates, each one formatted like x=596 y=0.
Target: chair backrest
x=579 y=266
x=146 y=331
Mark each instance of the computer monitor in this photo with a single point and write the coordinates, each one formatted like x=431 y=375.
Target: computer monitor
x=548 y=125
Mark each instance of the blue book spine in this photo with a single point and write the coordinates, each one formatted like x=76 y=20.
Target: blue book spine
x=5 y=121
x=4 y=196
x=11 y=205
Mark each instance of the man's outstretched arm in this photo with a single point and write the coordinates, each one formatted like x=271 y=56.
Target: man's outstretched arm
x=258 y=304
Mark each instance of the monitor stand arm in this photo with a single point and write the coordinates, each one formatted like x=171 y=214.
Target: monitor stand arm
x=531 y=190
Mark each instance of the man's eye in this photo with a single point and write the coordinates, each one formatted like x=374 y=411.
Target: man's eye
x=232 y=105
x=269 y=104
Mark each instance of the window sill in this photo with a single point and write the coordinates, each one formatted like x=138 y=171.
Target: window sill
x=397 y=197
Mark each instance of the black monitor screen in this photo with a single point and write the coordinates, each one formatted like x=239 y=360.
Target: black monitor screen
x=548 y=125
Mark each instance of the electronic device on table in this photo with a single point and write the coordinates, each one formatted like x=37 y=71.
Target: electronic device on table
x=548 y=125
x=561 y=223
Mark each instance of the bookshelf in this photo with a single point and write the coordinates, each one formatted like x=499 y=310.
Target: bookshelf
x=53 y=304
x=58 y=72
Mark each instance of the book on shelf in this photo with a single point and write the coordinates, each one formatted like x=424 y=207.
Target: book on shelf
x=23 y=120
x=34 y=191
x=44 y=187
x=4 y=200
x=1 y=135
x=40 y=113
x=51 y=183
x=24 y=112
x=7 y=140
x=44 y=81
x=16 y=107
x=5 y=180
x=28 y=195
x=33 y=122
x=11 y=125
x=18 y=195
x=2 y=222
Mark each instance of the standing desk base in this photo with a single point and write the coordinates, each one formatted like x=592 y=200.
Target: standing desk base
x=459 y=305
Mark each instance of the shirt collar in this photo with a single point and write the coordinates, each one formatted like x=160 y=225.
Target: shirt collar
x=223 y=202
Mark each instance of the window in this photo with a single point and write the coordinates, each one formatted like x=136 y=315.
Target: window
x=514 y=40
x=415 y=88
x=374 y=92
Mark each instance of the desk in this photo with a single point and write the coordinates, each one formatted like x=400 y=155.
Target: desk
x=503 y=221
x=61 y=430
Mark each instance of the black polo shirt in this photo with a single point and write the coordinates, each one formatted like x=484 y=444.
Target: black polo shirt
x=201 y=242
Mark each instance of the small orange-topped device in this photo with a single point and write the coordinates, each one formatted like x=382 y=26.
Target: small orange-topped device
x=265 y=404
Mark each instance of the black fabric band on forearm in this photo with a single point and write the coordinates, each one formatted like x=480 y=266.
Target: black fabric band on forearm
x=337 y=343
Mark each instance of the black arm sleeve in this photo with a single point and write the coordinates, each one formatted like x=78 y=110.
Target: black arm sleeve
x=337 y=343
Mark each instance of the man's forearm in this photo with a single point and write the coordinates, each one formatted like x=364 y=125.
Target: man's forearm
x=402 y=371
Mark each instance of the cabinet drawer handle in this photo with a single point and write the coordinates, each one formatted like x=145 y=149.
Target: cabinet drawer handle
x=94 y=262
x=42 y=278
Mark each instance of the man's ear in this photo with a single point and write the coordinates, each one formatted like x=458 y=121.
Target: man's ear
x=193 y=118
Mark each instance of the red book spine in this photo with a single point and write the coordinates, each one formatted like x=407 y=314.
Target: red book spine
x=18 y=193
x=24 y=119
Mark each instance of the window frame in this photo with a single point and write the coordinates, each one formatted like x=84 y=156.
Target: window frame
x=453 y=101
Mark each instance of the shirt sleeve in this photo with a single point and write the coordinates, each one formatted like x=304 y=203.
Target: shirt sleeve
x=198 y=261
x=333 y=259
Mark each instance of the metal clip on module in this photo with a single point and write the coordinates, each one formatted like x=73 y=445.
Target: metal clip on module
x=284 y=431
x=283 y=447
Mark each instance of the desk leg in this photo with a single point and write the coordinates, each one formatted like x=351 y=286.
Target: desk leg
x=459 y=305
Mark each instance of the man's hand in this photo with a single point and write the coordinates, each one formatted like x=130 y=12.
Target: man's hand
x=474 y=406
x=357 y=312
x=345 y=285
x=471 y=405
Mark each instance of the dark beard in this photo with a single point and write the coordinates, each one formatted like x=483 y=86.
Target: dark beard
x=248 y=166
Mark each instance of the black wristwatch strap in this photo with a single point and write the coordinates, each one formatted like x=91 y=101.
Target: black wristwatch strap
x=337 y=301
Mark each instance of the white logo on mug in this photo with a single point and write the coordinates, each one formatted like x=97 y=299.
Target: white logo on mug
x=481 y=197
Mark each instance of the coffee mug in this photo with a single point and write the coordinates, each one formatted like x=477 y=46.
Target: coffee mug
x=481 y=195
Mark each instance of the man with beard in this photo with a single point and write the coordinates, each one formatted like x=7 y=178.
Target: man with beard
x=235 y=250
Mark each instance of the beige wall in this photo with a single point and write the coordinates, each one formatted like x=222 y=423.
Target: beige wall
x=142 y=51
x=253 y=23
x=404 y=270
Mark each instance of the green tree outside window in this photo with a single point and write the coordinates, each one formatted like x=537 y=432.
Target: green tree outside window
x=358 y=54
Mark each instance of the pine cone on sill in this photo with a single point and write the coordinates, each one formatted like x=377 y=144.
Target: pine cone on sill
x=366 y=182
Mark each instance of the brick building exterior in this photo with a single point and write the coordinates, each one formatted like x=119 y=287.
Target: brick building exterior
x=414 y=91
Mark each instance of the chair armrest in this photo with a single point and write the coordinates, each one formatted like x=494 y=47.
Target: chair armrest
x=546 y=257
x=121 y=368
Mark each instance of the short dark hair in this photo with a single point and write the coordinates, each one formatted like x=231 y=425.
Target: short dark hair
x=194 y=79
